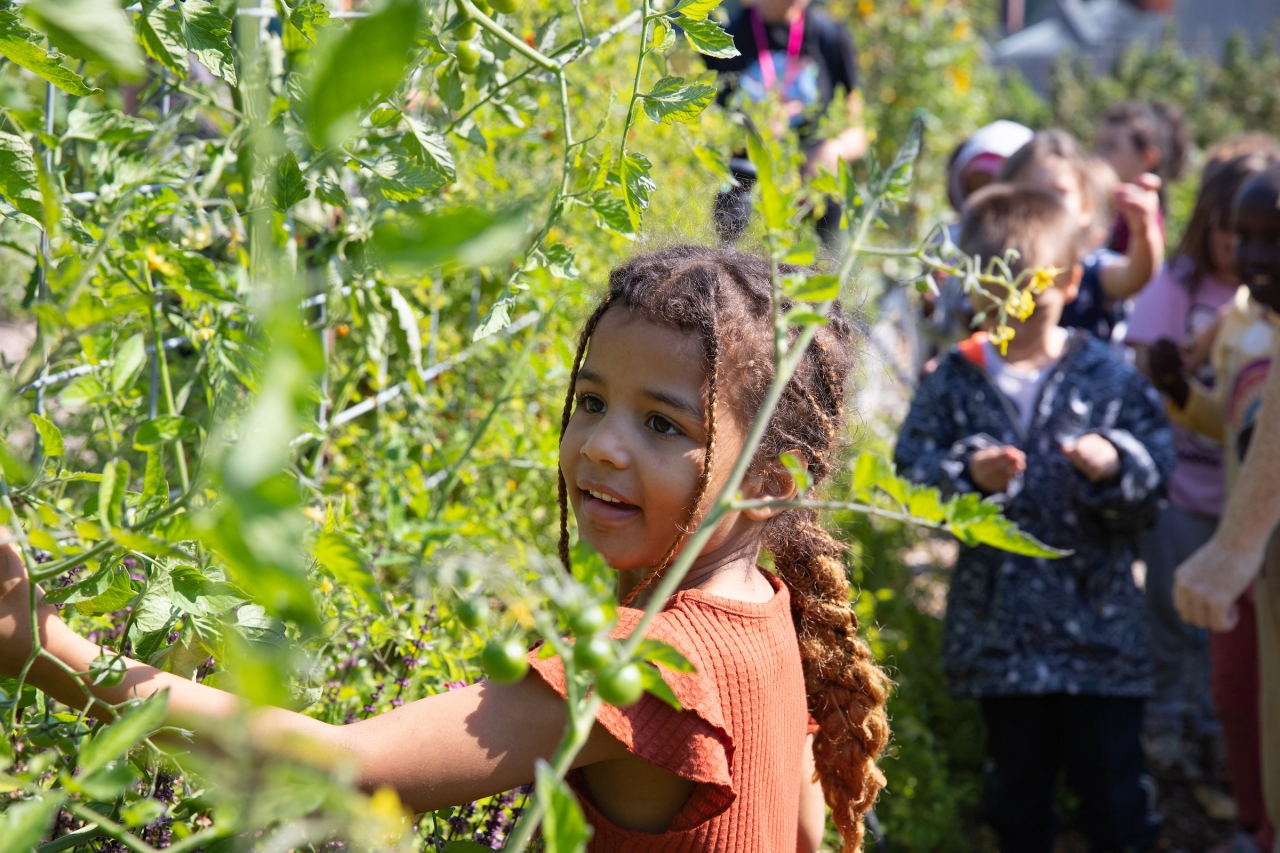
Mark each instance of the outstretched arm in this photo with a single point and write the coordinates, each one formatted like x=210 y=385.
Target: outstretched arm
x=1207 y=585
x=440 y=751
x=1139 y=204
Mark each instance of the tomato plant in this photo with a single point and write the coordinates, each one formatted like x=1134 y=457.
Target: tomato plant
x=303 y=286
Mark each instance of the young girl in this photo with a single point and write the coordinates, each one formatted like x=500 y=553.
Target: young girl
x=1052 y=160
x=670 y=371
x=1137 y=138
x=1178 y=308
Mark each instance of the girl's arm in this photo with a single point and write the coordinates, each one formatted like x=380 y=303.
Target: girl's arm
x=440 y=751
x=813 y=809
x=1140 y=205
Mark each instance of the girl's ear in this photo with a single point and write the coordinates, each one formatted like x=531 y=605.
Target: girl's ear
x=771 y=481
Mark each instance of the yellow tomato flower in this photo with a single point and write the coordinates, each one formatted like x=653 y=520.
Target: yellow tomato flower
x=866 y=7
x=1001 y=337
x=1041 y=280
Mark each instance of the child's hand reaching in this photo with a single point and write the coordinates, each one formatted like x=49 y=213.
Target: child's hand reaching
x=993 y=467
x=1093 y=456
x=15 y=613
x=1167 y=371
x=1139 y=202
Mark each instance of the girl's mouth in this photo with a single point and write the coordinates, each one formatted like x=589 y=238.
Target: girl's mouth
x=606 y=507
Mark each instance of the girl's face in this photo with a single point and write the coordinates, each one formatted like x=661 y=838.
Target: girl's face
x=633 y=451
x=1115 y=145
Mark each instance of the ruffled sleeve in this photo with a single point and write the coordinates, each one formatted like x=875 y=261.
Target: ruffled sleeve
x=695 y=743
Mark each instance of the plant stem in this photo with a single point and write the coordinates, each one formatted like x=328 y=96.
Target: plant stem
x=505 y=35
x=158 y=344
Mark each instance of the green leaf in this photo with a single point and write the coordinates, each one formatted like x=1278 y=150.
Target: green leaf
x=155 y=486
x=430 y=147
x=498 y=318
x=309 y=17
x=814 y=288
x=564 y=830
x=18 y=44
x=115 y=479
x=560 y=261
x=798 y=471
x=696 y=10
x=870 y=471
x=153 y=614
x=118 y=593
x=95 y=30
x=653 y=682
x=208 y=35
x=461 y=235
x=50 y=435
x=106 y=126
x=105 y=784
x=466 y=847
x=19 y=182
x=340 y=556
x=662 y=654
x=113 y=742
x=24 y=824
x=895 y=182
x=291 y=186
x=634 y=173
x=977 y=522
x=364 y=64
x=671 y=100
x=331 y=192
x=160 y=31
x=408 y=334
x=142 y=812
x=715 y=163
x=925 y=503
x=708 y=38
x=402 y=179
x=81 y=392
x=772 y=206
x=804 y=316
x=612 y=214
x=130 y=358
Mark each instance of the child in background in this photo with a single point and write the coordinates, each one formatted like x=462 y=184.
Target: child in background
x=1137 y=138
x=680 y=354
x=1071 y=442
x=1242 y=352
x=1170 y=314
x=1052 y=160
x=975 y=163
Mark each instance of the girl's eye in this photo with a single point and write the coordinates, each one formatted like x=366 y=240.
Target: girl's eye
x=591 y=404
x=662 y=426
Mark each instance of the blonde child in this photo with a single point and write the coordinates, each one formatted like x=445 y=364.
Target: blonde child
x=670 y=371
x=1053 y=161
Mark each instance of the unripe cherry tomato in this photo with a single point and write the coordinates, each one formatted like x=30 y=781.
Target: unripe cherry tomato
x=592 y=653
x=468 y=57
x=483 y=6
x=923 y=286
x=504 y=662
x=465 y=31
x=109 y=673
x=472 y=612
x=621 y=686
x=588 y=620
x=506 y=7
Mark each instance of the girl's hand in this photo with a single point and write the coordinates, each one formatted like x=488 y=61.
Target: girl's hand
x=1167 y=370
x=1093 y=456
x=15 y=608
x=1139 y=202
x=992 y=468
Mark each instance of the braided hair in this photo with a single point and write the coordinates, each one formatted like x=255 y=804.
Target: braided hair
x=724 y=296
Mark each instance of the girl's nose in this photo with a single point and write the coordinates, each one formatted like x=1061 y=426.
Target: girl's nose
x=606 y=445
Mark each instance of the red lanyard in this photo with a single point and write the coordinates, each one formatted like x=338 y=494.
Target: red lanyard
x=768 y=73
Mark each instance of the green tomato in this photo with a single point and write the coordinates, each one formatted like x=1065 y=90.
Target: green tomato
x=465 y=31
x=588 y=620
x=592 y=653
x=483 y=6
x=504 y=662
x=472 y=612
x=621 y=686
x=468 y=57
x=506 y=7
x=923 y=285
x=108 y=672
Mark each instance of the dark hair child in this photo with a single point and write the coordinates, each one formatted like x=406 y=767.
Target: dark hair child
x=1052 y=160
x=670 y=371
x=1071 y=442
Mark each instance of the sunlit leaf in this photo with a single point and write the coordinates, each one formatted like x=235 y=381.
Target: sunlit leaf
x=339 y=555
x=19 y=183
x=160 y=31
x=696 y=10
x=50 y=436
x=402 y=179
x=814 y=288
x=115 y=480
x=653 y=683
x=634 y=173
x=798 y=471
x=23 y=825
x=772 y=205
x=708 y=38
x=662 y=654
x=430 y=147
x=463 y=235
x=290 y=187
x=130 y=358
x=81 y=392
x=208 y=35
x=362 y=65
x=977 y=522
x=96 y=30
x=19 y=45
x=564 y=829
x=672 y=100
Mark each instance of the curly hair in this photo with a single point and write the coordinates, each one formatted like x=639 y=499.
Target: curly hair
x=724 y=297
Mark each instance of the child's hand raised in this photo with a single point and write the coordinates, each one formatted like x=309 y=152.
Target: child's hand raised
x=15 y=613
x=993 y=467
x=1093 y=456
x=1139 y=202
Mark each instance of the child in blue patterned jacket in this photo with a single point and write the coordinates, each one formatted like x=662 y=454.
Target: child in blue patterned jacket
x=1074 y=445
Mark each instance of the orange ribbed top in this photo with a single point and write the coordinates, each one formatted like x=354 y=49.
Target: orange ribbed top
x=741 y=734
